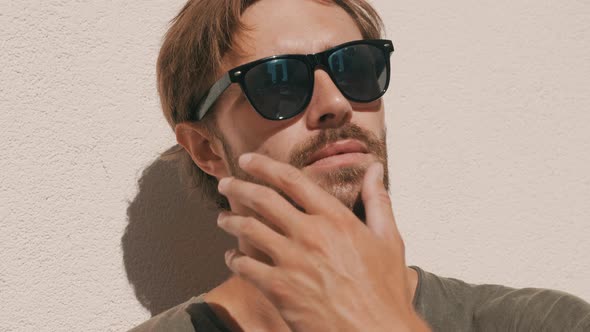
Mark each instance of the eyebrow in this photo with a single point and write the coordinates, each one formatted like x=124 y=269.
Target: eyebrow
x=324 y=45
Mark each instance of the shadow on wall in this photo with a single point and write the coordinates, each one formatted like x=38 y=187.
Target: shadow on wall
x=172 y=247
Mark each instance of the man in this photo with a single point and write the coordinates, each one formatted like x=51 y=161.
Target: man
x=295 y=145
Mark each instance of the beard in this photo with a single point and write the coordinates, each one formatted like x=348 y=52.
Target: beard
x=344 y=183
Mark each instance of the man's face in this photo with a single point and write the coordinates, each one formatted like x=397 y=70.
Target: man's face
x=328 y=125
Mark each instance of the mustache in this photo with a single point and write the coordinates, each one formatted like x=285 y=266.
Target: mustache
x=303 y=151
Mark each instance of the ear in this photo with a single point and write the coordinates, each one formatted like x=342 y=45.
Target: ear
x=202 y=147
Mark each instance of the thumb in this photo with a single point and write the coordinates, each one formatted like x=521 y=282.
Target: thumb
x=378 y=212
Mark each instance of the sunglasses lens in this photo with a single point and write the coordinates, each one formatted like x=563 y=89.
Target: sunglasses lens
x=278 y=89
x=360 y=71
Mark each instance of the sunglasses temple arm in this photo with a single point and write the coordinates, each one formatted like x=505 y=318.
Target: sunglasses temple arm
x=211 y=96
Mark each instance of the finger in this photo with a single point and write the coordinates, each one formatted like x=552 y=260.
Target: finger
x=256 y=234
x=378 y=211
x=248 y=268
x=291 y=181
x=271 y=206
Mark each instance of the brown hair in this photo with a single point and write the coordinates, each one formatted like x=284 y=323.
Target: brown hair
x=190 y=61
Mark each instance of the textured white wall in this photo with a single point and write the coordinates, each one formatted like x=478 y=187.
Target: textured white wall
x=489 y=144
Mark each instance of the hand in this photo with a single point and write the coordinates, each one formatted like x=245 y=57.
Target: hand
x=329 y=271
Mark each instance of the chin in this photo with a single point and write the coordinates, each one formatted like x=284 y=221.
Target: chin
x=345 y=184
x=350 y=196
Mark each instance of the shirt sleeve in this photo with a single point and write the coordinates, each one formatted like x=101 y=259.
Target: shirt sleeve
x=175 y=319
x=530 y=309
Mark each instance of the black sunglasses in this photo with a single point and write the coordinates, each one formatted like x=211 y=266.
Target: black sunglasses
x=280 y=87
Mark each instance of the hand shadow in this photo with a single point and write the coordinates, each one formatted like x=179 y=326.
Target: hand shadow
x=172 y=247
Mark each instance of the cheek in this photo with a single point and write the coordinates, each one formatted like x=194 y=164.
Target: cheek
x=241 y=126
x=370 y=116
x=280 y=145
x=374 y=106
x=249 y=132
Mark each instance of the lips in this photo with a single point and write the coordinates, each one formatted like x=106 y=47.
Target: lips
x=336 y=148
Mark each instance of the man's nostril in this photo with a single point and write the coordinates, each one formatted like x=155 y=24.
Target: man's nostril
x=326 y=117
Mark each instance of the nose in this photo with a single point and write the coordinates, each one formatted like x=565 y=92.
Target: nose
x=328 y=108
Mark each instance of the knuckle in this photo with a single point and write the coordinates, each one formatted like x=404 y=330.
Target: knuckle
x=259 y=196
x=316 y=242
x=247 y=227
x=291 y=176
x=258 y=191
x=320 y=249
x=341 y=222
x=276 y=285
x=279 y=290
x=283 y=255
x=383 y=197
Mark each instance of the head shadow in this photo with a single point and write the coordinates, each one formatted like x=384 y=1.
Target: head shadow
x=172 y=247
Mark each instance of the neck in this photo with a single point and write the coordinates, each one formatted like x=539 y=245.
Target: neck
x=242 y=307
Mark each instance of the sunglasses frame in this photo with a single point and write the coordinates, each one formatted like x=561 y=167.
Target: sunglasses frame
x=312 y=61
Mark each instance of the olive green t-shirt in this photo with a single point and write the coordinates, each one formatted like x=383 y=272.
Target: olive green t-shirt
x=446 y=304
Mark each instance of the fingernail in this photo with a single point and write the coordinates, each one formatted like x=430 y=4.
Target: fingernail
x=380 y=172
x=228 y=254
x=223 y=184
x=221 y=218
x=245 y=159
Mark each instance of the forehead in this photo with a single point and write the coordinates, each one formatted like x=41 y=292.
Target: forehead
x=290 y=27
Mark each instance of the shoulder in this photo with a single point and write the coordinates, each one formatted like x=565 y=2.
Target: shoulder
x=534 y=309
x=175 y=319
x=449 y=303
